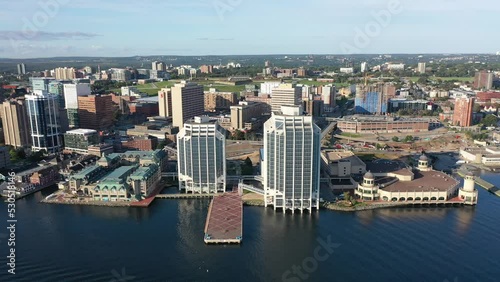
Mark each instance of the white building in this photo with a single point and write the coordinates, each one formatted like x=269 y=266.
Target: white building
x=201 y=150
x=421 y=185
x=72 y=91
x=286 y=94
x=267 y=87
x=364 y=66
x=395 y=66
x=131 y=91
x=421 y=68
x=291 y=164
x=44 y=120
x=328 y=96
x=347 y=70
x=469 y=192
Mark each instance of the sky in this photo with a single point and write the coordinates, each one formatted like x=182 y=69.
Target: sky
x=115 y=28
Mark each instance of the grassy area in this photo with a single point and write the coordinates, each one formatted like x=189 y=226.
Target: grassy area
x=351 y=135
x=319 y=83
x=461 y=79
x=152 y=88
x=367 y=157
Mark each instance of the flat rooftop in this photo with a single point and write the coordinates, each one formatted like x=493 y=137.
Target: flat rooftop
x=81 y=131
x=385 y=166
x=424 y=181
x=337 y=156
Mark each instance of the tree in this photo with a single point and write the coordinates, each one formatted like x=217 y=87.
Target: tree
x=247 y=167
x=238 y=135
x=395 y=139
x=347 y=196
x=490 y=120
x=408 y=138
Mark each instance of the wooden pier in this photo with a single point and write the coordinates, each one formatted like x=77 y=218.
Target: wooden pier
x=185 y=196
x=224 y=223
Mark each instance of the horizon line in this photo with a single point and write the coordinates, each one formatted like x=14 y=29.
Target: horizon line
x=275 y=54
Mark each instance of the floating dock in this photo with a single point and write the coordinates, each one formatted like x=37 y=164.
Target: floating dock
x=224 y=223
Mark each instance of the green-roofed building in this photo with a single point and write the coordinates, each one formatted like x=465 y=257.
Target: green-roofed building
x=145 y=180
x=79 y=182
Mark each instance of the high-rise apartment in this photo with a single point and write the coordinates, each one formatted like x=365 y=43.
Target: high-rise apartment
x=187 y=102
x=15 y=123
x=65 y=73
x=71 y=93
x=95 y=112
x=421 y=68
x=201 y=153
x=291 y=164
x=21 y=69
x=328 y=96
x=43 y=115
x=364 y=66
x=483 y=80
x=286 y=94
x=165 y=102
x=462 y=114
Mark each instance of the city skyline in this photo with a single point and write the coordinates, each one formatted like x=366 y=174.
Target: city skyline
x=223 y=27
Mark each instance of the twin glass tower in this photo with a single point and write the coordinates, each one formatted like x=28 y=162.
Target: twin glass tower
x=291 y=163
x=290 y=166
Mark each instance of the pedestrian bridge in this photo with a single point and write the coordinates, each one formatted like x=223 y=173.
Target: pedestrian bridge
x=251 y=188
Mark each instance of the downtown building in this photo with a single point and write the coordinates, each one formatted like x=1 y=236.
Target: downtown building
x=71 y=94
x=286 y=94
x=187 y=102
x=44 y=120
x=462 y=114
x=15 y=123
x=95 y=112
x=483 y=80
x=291 y=161
x=201 y=152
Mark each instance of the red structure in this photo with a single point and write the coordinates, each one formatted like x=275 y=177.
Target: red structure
x=462 y=114
x=225 y=220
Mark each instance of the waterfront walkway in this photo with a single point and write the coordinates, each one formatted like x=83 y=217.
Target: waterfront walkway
x=224 y=223
x=483 y=183
x=185 y=196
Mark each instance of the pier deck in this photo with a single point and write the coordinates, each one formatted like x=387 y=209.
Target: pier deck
x=224 y=223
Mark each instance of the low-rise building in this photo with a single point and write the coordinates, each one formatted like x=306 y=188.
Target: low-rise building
x=421 y=184
x=342 y=164
x=130 y=176
x=247 y=115
x=79 y=140
x=141 y=143
x=382 y=125
x=215 y=100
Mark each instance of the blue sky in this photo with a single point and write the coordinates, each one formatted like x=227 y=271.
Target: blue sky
x=228 y=27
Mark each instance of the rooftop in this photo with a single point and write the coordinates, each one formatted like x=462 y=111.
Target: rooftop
x=81 y=131
x=118 y=173
x=385 y=166
x=424 y=181
x=348 y=155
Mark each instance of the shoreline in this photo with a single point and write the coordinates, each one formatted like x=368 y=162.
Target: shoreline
x=92 y=203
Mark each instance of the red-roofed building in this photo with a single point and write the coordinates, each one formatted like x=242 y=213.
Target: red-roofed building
x=485 y=97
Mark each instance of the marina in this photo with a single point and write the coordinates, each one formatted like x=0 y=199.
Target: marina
x=224 y=224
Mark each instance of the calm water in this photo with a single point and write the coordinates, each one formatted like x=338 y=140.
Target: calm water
x=164 y=243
